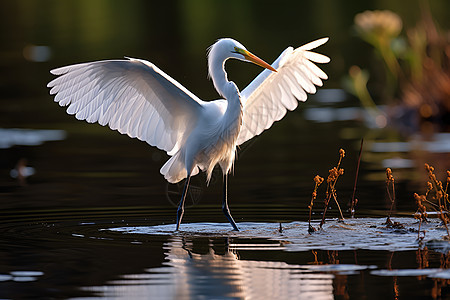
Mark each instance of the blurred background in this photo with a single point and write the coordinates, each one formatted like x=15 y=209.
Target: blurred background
x=379 y=88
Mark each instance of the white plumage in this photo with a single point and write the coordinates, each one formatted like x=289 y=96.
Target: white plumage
x=268 y=97
x=136 y=98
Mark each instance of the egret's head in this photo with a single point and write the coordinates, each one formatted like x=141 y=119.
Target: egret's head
x=245 y=55
x=228 y=48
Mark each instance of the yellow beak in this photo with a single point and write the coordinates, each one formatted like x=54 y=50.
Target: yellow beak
x=255 y=59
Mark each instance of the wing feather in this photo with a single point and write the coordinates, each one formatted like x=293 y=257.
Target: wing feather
x=316 y=57
x=132 y=96
x=314 y=44
x=270 y=95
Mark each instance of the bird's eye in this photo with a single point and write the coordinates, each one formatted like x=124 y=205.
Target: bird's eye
x=239 y=51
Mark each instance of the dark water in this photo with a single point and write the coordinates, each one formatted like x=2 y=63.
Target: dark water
x=57 y=242
x=94 y=218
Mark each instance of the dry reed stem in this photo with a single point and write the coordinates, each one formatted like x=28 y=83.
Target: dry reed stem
x=390 y=188
x=355 y=201
x=338 y=206
x=390 y=185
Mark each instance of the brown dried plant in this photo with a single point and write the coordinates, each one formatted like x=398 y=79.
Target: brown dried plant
x=318 y=181
x=333 y=176
x=421 y=213
x=390 y=188
x=436 y=192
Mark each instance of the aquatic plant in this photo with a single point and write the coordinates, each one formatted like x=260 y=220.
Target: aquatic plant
x=333 y=177
x=416 y=65
x=379 y=28
x=436 y=192
x=318 y=181
x=421 y=213
x=390 y=189
x=436 y=197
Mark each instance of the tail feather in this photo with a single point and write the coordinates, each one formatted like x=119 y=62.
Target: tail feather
x=174 y=170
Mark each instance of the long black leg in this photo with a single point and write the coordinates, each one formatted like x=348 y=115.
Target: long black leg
x=180 y=210
x=225 y=208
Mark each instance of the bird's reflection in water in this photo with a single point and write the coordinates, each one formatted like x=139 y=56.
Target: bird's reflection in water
x=194 y=270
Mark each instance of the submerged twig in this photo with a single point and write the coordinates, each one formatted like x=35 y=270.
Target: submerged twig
x=355 y=201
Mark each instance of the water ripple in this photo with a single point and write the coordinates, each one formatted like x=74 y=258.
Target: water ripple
x=363 y=233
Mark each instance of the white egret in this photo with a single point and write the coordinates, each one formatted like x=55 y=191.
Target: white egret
x=135 y=97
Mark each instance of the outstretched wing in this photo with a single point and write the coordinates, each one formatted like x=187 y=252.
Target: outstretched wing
x=268 y=97
x=132 y=96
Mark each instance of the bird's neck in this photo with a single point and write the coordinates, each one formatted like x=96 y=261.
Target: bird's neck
x=225 y=88
x=218 y=74
x=232 y=119
x=233 y=115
